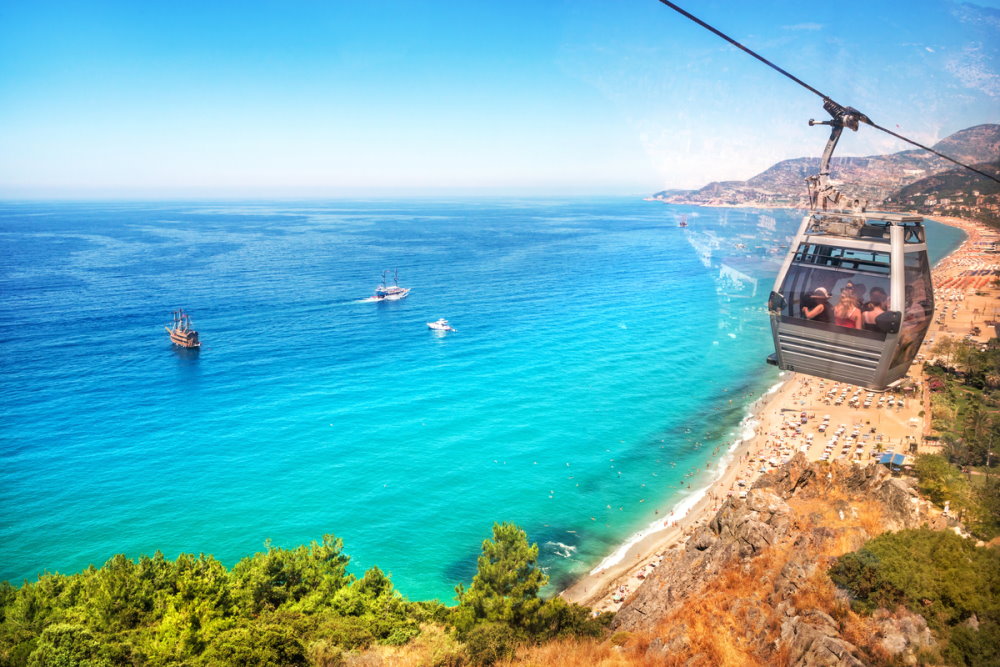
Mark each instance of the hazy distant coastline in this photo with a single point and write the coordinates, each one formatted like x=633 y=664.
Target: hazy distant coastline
x=911 y=180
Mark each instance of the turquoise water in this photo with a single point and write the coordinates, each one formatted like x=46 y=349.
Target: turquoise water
x=603 y=356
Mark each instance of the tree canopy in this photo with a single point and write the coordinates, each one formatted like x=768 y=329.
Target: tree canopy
x=272 y=608
x=277 y=607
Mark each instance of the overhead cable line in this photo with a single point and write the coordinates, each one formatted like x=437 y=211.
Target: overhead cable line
x=852 y=114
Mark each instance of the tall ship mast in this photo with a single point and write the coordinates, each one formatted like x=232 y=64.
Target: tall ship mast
x=181 y=332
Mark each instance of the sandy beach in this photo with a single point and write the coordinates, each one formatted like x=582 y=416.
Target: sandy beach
x=822 y=419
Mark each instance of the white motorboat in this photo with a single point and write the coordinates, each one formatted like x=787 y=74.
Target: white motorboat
x=440 y=325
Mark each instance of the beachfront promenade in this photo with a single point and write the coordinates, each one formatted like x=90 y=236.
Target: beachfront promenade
x=826 y=421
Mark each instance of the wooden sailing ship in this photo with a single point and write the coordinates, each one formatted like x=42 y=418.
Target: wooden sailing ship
x=181 y=332
x=386 y=292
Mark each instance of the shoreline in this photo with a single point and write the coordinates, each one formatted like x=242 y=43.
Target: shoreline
x=646 y=547
x=691 y=500
x=766 y=430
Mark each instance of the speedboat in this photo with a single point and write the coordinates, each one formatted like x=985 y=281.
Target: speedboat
x=392 y=292
x=440 y=325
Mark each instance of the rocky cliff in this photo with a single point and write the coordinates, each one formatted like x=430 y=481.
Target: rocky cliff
x=751 y=586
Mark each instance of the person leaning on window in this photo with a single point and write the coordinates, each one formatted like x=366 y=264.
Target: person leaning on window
x=820 y=310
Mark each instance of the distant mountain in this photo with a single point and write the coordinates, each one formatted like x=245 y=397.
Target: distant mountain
x=876 y=178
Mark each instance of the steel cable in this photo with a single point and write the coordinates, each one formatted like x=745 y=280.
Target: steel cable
x=861 y=117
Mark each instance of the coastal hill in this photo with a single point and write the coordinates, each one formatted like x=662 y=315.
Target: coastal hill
x=956 y=193
x=875 y=178
x=759 y=567
x=821 y=564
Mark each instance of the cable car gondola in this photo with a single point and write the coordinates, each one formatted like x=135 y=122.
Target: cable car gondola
x=854 y=299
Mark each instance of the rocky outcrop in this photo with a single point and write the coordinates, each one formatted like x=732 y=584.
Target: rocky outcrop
x=903 y=634
x=813 y=638
x=777 y=539
x=740 y=529
x=896 y=497
x=754 y=525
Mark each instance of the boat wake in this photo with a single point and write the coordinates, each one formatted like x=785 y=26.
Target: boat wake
x=560 y=549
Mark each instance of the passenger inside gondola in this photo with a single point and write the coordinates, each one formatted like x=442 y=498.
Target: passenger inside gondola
x=816 y=306
x=847 y=312
x=876 y=306
x=820 y=304
x=860 y=289
x=822 y=276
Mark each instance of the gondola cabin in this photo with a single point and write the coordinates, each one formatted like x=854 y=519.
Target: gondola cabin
x=853 y=299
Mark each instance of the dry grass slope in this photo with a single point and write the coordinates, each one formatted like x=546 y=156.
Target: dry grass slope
x=736 y=620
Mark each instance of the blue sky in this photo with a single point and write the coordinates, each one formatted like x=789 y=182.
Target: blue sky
x=297 y=98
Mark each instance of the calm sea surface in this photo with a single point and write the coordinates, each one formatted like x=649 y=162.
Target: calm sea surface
x=604 y=355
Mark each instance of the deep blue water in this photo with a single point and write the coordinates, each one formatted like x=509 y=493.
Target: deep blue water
x=602 y=357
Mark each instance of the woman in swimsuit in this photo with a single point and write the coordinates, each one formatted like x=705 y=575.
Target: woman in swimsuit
x=847 y=313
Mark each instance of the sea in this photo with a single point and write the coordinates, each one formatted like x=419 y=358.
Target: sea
x=605 y=354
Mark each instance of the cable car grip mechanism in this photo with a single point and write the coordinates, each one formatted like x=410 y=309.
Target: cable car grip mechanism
x=822 y=195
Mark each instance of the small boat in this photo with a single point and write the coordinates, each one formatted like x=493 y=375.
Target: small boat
x=683 y=222
x=181 y=332
x=440 y=325
x=392 y=292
